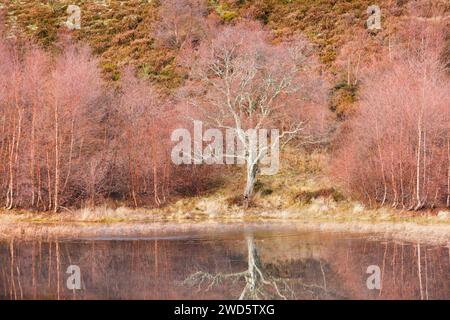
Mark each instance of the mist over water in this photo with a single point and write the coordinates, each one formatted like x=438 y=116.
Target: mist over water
x=248 y=264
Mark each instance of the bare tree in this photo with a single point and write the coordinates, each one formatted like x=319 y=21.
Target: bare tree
x=241 y=81
x=180 y=22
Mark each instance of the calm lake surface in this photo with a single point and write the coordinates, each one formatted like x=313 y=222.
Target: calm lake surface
x=243 y=263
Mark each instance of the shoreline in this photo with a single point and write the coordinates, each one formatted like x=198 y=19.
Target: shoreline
x=31 y=226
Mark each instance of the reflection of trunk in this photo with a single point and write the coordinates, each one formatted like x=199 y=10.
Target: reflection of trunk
x=419 y=271
x=58 y=271
x=253 y=278
x=254 y=262
x=260 y=283
x=11 y=270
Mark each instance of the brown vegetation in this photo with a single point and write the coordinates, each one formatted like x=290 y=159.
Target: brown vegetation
x=396 y=150
x=70 y=138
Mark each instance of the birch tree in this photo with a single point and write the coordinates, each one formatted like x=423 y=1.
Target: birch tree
x=397 y=149
x=241 y=80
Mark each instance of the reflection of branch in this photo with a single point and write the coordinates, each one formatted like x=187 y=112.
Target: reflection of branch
x=324 y=278
x=258 y=283
x=201 y=277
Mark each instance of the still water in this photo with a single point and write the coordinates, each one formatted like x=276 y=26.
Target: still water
x=245 y=263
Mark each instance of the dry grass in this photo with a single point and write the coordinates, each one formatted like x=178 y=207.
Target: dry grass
x=403 y=231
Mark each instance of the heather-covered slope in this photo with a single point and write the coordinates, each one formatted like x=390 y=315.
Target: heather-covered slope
x=121 y=32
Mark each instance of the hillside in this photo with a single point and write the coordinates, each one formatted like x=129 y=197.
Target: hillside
x=123 y=33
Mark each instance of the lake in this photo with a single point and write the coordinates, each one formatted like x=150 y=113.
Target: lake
x=246 y=263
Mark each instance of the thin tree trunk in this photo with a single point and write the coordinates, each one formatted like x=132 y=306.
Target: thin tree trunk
x=49 y=184
x=9 y=193
x=69 y=168
x=419 y=147
x=32 y=160
x=381 y=164
x=448 y=170
x=56 y=188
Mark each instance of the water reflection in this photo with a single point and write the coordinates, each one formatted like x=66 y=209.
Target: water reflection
x=269 y=265
x=260 y=282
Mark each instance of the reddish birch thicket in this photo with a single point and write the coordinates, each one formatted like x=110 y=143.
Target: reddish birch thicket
x=396 y=149
x=49 y=112
x=68 y=140
x=144 y=122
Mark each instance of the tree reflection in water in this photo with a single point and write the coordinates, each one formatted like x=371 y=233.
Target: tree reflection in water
x=260 y=282
x=256 y=265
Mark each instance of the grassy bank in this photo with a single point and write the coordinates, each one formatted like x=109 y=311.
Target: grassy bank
x=414 y=229
x=301 y=190
x=321 y=215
